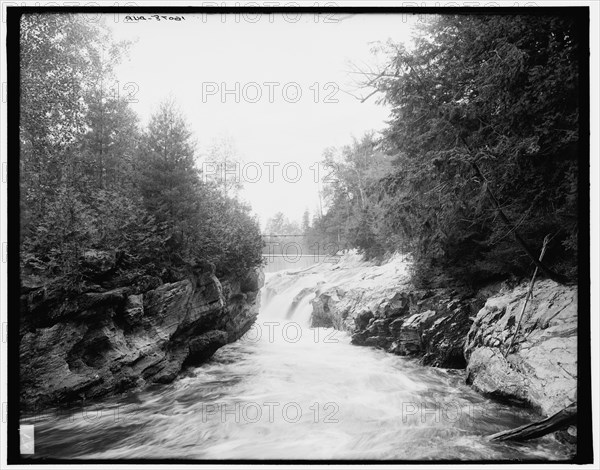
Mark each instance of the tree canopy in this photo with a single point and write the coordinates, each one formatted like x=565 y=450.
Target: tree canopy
x=483 y=105
x=91 y=178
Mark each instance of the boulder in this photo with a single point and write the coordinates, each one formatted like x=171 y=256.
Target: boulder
x=541 y=368
x=204 y=346
x=379 y=327
x=396 y=327
x=397 y=306
x=362 y=320
x=321 y=316
x=377 y=341
x=379 y=302
x=445 y=337
x=359 y=338
x=408 y=337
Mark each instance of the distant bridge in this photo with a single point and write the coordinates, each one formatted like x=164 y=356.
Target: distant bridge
x=294 y=255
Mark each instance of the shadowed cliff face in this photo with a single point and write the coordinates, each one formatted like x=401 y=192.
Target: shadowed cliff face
x=101 y=343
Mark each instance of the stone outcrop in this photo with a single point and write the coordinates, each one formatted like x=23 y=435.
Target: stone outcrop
x=541 y=368
x=379 y=307
x=431 y=325
x=100 y=343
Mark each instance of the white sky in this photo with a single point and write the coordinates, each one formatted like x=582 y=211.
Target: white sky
x=191 y=58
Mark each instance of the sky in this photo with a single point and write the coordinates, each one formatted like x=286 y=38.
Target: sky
x=277 y=86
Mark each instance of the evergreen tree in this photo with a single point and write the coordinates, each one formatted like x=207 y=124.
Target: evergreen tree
x=305 y=221
x=169 y=178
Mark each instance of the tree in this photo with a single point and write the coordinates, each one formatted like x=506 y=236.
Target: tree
x=169 y=179
x=60 y=64
x=351 y=219
x=496 y=93
x=64 y=64
x=279 y=224
x=483 y=141
x=223 y=166
x=91 y=179
x=305 y=221
x=110 y=142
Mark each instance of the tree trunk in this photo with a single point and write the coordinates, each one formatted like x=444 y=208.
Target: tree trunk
x=562 y=419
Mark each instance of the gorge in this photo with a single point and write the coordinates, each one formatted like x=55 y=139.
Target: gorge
x=296 y=384
x=396 y=319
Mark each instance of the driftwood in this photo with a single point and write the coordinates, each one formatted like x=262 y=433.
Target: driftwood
x=560 y=420
x=527 y=297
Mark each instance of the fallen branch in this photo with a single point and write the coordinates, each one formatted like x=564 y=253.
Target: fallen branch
x=528 y=296
x=560 y=420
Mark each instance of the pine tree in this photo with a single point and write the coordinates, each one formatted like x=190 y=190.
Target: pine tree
x=169 y=178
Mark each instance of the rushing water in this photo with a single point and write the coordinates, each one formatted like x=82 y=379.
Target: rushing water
x=286 y=391
x=276 y=263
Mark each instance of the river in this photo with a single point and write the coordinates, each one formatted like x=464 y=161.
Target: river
x=286 y=391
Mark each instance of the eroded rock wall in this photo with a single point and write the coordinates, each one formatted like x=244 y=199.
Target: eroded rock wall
x=100 y=343
x=432 y=325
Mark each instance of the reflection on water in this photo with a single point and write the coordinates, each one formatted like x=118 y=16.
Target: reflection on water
x=286 y=391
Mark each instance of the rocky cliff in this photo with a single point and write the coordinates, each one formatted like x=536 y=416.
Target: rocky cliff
x=104 y=342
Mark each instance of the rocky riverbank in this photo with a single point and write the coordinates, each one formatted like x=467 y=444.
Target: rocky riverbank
x=453 y=328
x=540 y=369
x=107 y=340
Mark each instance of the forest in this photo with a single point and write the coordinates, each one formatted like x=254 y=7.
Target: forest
x=92 y=178
x=479 y=161
x=477 y=165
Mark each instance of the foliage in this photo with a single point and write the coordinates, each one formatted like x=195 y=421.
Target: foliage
x=352 y=219
x=222 y=165
x=284 y=237
x=90 y=178
x=498 y=90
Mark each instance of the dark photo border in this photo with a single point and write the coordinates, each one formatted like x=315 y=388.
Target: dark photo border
x=581 y=14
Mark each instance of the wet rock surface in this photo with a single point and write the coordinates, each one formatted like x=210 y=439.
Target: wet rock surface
x=540 y=369
x=379 y=307
x=100 y=343
x=453 y=328
x=426 y=324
